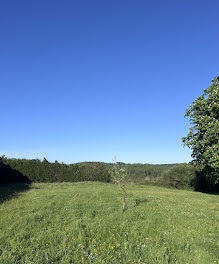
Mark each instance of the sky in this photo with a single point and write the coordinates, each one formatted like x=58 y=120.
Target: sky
x=87 y=80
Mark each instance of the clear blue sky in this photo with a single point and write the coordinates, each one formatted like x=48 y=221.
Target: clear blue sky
x=85 y=80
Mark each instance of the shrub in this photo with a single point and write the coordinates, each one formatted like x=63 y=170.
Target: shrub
x=181 y=176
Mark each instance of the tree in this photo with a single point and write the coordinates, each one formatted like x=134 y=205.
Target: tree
x=203 y=136
x=119 y=175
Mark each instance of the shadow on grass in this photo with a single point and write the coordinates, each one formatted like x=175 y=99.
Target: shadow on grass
x=11 y=190
x=140 y=201
x=12 y=182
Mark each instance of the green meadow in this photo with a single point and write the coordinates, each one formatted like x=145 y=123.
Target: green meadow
x=84 y=223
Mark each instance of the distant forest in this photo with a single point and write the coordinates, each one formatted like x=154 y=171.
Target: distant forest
x=35 y=170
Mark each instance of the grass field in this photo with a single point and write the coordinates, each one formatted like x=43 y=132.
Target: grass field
x=84 y=223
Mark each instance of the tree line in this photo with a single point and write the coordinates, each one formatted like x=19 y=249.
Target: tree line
x=180 y=176
x=35 y=170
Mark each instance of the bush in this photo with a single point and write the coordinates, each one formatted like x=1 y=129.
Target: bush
x=182 y=176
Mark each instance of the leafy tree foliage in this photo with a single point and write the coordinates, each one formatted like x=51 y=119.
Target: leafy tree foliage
x=9 y=175
x=182 y=176
x=203 y=136
x=35 y=170
x=18 y=170
x=44 y=171
x=145 y=173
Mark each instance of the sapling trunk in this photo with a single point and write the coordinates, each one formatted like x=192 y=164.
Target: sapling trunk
x=124 y=206
x=119 y=175
x=124 y=200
